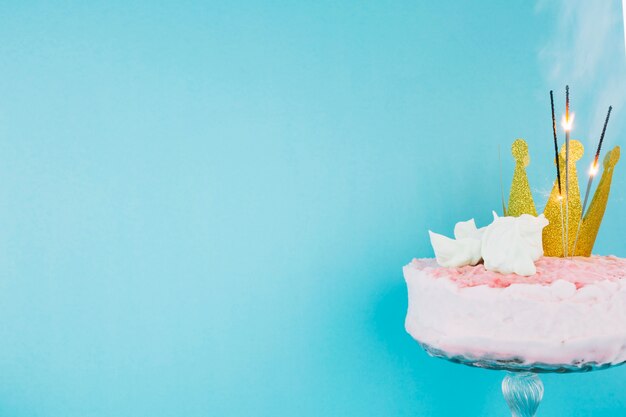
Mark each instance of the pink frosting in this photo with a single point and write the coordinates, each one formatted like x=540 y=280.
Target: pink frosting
x=577 y=270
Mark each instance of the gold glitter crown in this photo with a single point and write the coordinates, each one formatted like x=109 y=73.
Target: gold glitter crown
x=521 y=201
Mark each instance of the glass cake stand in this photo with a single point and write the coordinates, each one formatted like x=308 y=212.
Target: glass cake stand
x=522 y=388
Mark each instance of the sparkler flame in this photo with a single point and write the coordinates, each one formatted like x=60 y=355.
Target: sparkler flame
x=567 y=124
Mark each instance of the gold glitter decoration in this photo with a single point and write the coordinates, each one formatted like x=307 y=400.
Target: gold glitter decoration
x=553 y=233
x=593 y=218
x=555 y=206
x=520 y=197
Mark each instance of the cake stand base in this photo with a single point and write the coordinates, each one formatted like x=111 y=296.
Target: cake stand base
x=523 y=392
x=521 y=386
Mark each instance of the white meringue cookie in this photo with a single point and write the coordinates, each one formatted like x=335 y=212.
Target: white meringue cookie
x=452 y=253
x=532 y=232
x=512 y=244
x=468 y=229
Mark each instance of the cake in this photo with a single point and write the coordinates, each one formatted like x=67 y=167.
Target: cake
x=525 y=292
x=572 y=311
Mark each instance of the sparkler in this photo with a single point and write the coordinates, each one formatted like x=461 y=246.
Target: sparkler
x=558 y=169
x=567 y=126
x=592 y=173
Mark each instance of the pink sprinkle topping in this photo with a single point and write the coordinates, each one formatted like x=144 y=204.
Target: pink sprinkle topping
x=577 y=270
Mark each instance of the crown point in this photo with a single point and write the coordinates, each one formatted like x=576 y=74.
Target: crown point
x=611 y=158
x=520 y=196
x=576 y=150
x=519 y=149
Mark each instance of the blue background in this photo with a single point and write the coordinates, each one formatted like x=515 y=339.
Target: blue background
x=205 y=206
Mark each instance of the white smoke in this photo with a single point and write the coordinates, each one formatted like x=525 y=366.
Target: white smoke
x=585 y=49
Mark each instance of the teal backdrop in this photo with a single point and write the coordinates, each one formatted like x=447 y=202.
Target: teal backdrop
x=205 y=206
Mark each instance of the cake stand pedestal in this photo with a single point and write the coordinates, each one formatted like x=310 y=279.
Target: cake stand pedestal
x=522 y=388
x=523 y=392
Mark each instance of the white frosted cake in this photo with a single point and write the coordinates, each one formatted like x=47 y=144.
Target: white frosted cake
x=524 y=292
x=571 y=311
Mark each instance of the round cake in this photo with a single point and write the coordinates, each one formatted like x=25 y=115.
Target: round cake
x=571 y=311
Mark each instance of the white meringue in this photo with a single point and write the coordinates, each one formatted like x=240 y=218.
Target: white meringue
x=468 y=229
x=512 y=244
x=451 y=253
